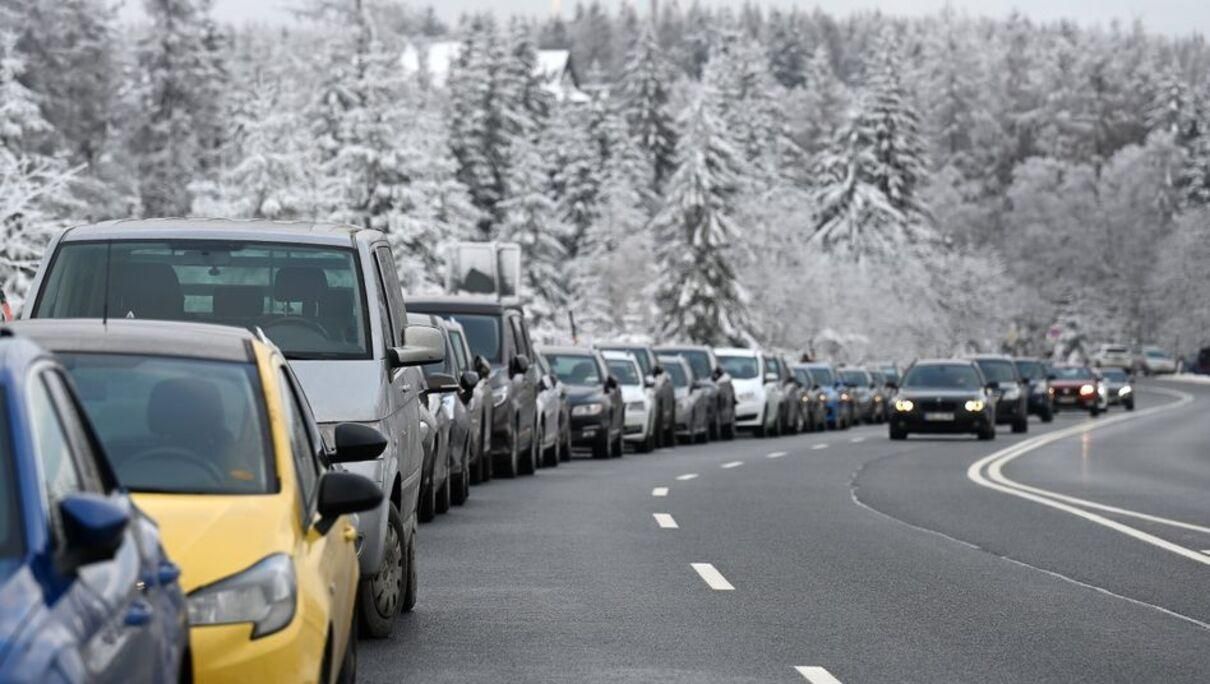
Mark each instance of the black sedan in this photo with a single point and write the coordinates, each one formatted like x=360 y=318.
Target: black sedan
x=944 y=397
x=594 y=397
x=1011 y=390
x=1041 y=396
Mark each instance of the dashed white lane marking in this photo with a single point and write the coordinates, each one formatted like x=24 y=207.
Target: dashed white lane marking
x=665 y=521
x=686 y=476
x=776 y=454
x=857 y=440
x=817 y=447
x=733 y=464
x=660 y=491
x=712 y=577
x=817 y=675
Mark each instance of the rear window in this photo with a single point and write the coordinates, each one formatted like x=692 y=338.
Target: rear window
x=182 y=426
x=308 y=300
x=740 y=367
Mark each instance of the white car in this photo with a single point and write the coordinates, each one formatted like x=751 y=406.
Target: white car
x=1113 y=356
x=639 y=422
x=758 y=391
x=1154 y=361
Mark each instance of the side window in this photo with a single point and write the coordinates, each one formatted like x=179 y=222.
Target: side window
x=83 y=448
x=301 y=446
x=514 y=325
x=54 y=451
x=529 y=345
x=394 y=290
x=460 y=351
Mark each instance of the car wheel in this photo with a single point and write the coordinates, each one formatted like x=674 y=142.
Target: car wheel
x=1094 y=411
x=528 y=462
x=462 y=482
x=898 y=434
x=987 y=433
x=443 y=494
x=411 y=585
x=1021 y=424
x=426 y=510
x=565 y=453
x=600 y=448
x=348 y=664
x=649 y=443
x=1129 y=405
x=380 y=597
x=619 y=445
x=509 y=464
x=1047 y=415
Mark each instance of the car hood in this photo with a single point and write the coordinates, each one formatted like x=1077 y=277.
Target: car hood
x=631 y=393
x=20 y=596
x=754 y=385
x=214 y=536
x=344 y=391
x=938 y=393
x=580 y=394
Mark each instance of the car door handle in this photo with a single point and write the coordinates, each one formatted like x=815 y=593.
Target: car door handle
x=138 y=614
x=349 y=533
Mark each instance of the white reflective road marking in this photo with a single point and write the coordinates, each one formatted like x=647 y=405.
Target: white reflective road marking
x=733 y=464
x=857 y=440
x=664 y=520
x=817 y=447
x=776 y=454
x=660 y=491
x=817 y=675
x=686 y=476
x=712 y=577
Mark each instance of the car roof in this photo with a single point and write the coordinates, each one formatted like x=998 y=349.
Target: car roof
x=567 y=350
x=737 y=351
x=456 y=304
x=943 y=362
x=249 y=230
x=990 y=357
x=618 y=355
x=153 y=338
x=684 y=347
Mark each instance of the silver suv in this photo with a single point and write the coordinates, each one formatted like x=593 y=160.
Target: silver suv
x=327 y=295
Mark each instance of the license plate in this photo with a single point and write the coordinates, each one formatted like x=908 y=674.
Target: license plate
x=1067 y=400
x=588 y=431
x=938 y=417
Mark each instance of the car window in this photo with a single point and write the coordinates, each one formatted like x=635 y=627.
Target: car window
x=575 y=369
x=1115 y=375
x=1072 y=373
x=739 y=367
x=773 y=365
x=394 y=292
x=823 y=376
x=11 y=542
x=307 y=299
x=60 y=474
x=998 y=371
x=699 y=362
x=302 y=447
x=1031 y=370
x=177 y=425
x=519 y=343
x=484 y=335
x=803 y=376
x=82 y=447
x=460 y=350
x=625 y=371
x=943 y=376
x=855 y=378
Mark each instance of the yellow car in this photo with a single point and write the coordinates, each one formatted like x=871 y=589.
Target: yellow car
x=209 y=430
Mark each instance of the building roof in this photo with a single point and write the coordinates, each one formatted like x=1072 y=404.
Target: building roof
x=554 y=67
x=262 y=230
x=153 y=338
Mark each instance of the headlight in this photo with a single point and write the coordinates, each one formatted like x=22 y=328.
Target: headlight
x=1012 y=393
x=1124 y=391
x=587 y=409
x=975 y=405
x=823 y=397
x=636 y=406
x=844 y=397
x=500 y=395
x=1087 y=390
x=904 y=405
x=264 y=594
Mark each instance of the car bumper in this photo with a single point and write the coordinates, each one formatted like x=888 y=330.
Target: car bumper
x=749 y=414
x=1076 y=401
x=587 y=431
x=963 y=422
x=1008 y=411
x=638 y=424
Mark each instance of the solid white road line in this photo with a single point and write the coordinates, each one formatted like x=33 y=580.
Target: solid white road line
x=817 y=675
x=817 y=447
x=712 y=577
x=733 y=464
x=1206 y=551
x=776 y=454
x=686 y=476
x=660 y=491
x=664 y=520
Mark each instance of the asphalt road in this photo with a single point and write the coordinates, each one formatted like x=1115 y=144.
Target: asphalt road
x=1077 y=560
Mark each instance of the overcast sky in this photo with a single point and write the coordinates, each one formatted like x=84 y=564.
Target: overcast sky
x=1177 y=17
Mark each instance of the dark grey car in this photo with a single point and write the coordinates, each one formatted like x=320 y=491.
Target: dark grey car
x=716 y=383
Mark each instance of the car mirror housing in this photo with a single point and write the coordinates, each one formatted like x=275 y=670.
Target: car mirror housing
x=469 y=379
x=657 y=371
x=482 y=366
x=423 y=344
x=717 y=373
x=94 y=526
x=520 y=364
x=342 y=493
x=356 y=442
x=649 y=381
x=611 y=383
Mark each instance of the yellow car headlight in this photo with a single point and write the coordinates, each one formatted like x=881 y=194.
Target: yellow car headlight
x=264 y=595
x=975 y=405
x=904 y=405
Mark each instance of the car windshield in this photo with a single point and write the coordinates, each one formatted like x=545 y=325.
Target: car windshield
x=11 y=544
x=1115 y=350
x=1073 y=373
x=699 y=362
x=182 y=426
x=640 y=355
x=1156 y=354
x=308 y=300
x=803 y=376
x=482 y=334
x=823 y=377
x=942 y=376
x=854 y=378
x=1115 y=375
x=575 y=369
x=625 y=371
x=739 y=367
x=1031 y=370
x=676 y=371
x=998 y=371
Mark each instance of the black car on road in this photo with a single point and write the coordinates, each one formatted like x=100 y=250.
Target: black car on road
x=715 y=382
x=594 y=397
x=1011 y=390
x=1041 y=396
x=944 y=397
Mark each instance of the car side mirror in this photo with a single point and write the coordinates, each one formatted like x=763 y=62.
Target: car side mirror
x=717 y=374
x=440 y=383
x=422 y=344
x=482 y=366
x=657 y=371
x=520 y=364
x=547 y=383
x=342 y=493
x=94 y=526
x=468 y=380
x=611 y=383
x=356 y=442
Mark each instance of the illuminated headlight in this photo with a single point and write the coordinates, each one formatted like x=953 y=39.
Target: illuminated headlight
x=264 y=595
x=844 y=397
x=823 y=398
x=636 y=406
x=1086 y=390
x=904 y=405
x=974 y=405
x=500 y=395
x=1124 y=391
x=587 y=409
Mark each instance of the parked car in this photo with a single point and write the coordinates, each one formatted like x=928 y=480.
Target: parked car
x=861 y=388
x=883 y=391
x=1078 y=387
x=660 y=391
x=1153 y=360
x=794 y=419
x=447 y=424
x=475 y=393
x=1041 y=400
x=692 y=401
x=814 y=398
x=554 y=416
x=840 y=410
x=595 y=397
x=1119 y=388
x=716 y=383
x=211 y=431
x=1011 y=390
x=944 y=397
x=73 y=547
x=1112 y=356
x=327 y=295
x=497 y=331
x=639 y=425
x=758 y=390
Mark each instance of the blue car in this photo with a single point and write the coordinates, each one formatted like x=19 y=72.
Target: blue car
x=841 y=413
x=86 y=593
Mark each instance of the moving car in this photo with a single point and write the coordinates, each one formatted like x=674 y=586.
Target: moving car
x=210 y=430
x=883 y=391
x=1112 y=356
x=554 y=417
x=889 y=370
x=814 y=398
x=1119 y=387
x=1078 y=387
x=692 y=398
x=496 y=330
x=758 y=390
x=715 y=382
x=661 y=390
x=1154 y=361
x=640 y=423
x=327 y=295
x=860 y=387
x=944 y=397
x=595 y=398
x=1011 y=390
x=73 y=547
x=1041 y=401
x=839 y=403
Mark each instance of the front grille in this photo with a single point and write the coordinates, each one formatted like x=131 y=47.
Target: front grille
x=937 y=404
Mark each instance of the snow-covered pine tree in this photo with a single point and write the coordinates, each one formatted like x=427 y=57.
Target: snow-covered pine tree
x=475 y=137
x=698 y=292
x=574 y=162
x=892 y=126
x=22 y=127
x=1172 y=108
x=816 y=111
x=645 y=87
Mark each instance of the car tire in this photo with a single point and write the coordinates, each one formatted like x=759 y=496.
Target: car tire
x=1047 y=415
x=1094 y=411
x=528 y=463
x=649 y=443
x=619 y=445
x=348 y=663
x=1021 y=425
x=1129 y=405
x=411 y=585
x=508 y=466
x=381 y=598
x=426 y=509
x=600 y=449
x=987 y=433
x=898 y=435
x=565 y=439
x=443 y=498
x=670 y=431
x=462 y=482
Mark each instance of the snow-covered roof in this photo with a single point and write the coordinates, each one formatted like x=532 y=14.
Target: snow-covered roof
x=553 y=66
